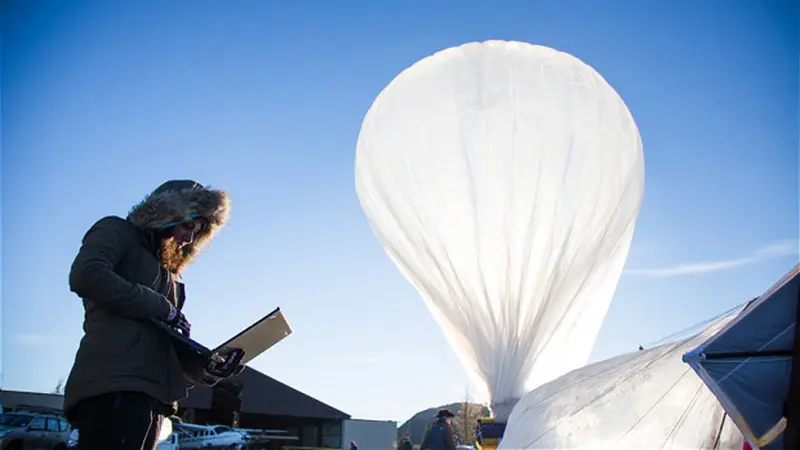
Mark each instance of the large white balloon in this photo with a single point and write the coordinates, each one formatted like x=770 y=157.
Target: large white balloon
x=504 y=180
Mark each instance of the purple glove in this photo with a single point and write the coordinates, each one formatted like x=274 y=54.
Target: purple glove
x=177 y=320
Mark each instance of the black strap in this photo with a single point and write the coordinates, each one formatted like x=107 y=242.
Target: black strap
x=718 y=439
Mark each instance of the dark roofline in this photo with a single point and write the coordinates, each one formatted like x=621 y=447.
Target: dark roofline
x=333 y=413
x=262 y=394
x=47 y=394
x=52 y=403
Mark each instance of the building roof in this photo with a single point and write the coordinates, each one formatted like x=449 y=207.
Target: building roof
x=15 y=399
x=262 y=394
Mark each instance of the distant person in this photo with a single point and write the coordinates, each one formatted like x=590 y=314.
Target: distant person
x=353 y=445
x=126 y=375
x=406 y=444
x=479 y=433
x=440 y=436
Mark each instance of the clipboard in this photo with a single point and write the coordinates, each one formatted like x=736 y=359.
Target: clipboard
x=197 y=360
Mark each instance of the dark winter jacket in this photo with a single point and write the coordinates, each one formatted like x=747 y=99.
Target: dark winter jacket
x=118 y=275
x=407 y=445
x=439 y=437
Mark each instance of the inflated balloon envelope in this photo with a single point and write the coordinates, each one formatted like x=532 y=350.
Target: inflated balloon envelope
x=504 y=180
x=648 y=399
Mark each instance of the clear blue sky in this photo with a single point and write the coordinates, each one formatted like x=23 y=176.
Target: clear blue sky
x=102 y=101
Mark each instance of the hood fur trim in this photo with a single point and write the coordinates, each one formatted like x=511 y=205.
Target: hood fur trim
x=178 y=200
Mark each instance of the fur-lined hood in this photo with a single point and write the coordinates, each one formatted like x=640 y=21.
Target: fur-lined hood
x=180 y=200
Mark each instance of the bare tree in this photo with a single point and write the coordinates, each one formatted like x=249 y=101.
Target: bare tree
x=466 y=419
x=59 y=389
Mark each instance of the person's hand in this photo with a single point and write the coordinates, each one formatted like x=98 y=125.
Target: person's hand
x=177 y=320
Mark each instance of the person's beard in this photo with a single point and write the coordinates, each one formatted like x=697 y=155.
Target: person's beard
x=172 y=256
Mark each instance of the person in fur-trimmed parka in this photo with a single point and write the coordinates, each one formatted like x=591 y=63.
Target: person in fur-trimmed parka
x=126 y=374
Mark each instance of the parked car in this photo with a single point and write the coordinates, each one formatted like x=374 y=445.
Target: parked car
x=201 y=436
x=21 y=430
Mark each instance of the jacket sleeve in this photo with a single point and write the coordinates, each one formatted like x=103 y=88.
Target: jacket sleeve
x=93 y=278
x=450 y=438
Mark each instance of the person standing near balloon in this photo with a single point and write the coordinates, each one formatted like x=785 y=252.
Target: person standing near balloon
x=127 y=376
x=440 y=436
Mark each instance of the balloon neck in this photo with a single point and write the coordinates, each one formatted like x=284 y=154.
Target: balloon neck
x=502 y=410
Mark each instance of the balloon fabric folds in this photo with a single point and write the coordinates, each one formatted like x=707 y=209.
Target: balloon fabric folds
x=647 y=399
x=504 y=180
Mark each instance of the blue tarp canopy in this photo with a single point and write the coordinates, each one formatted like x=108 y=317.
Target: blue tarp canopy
x=748 y=363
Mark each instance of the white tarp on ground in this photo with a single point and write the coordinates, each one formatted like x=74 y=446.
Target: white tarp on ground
x=649 y=399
